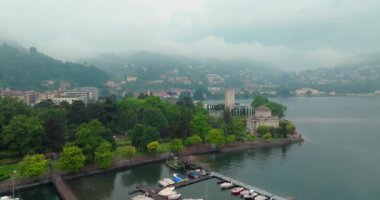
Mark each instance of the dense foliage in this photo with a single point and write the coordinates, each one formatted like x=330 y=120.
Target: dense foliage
x=85 y=134
x=72 y=159
x=33 y=165
x=277 y=108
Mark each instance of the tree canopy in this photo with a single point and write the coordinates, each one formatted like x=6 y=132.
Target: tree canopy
x=72 y=159
x=277 y=108
x=33 y=165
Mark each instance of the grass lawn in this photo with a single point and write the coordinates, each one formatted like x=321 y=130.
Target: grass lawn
x=123 y=142
x=7 y=170
x=165 y=147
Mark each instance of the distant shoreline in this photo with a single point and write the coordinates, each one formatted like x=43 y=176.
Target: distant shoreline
x=89 y=170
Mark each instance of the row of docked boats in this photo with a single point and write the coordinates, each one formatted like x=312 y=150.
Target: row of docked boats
x=170 y=181
x=243 y=192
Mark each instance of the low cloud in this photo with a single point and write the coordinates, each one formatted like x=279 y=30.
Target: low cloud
x=291 y=35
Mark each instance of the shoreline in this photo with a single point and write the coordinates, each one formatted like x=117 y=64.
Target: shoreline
x=6 y=186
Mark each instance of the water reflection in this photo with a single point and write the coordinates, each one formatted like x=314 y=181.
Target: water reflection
x=231 y=160
x=103 y=182
x=143 y=175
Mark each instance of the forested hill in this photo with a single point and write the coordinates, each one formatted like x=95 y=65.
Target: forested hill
x=31 y=70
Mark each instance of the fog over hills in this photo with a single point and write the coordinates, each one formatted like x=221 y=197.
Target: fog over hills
x=294 y=35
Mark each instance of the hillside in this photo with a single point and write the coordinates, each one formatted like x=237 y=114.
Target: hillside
x=157 y=71
x=31 y=70
x=360 y=78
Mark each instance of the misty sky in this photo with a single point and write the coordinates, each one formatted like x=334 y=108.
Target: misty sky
x=291 y=35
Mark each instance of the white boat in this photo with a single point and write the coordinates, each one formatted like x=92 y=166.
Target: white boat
x=169 y=181
x=202 y=172
x=244 y=192
x=226 y=185
x=167 y=191
x=192 y=199
x=250 y=195
x=260 y=197
x=8 y=198
x=141 y=197
x=163 y=183
x=174 y=196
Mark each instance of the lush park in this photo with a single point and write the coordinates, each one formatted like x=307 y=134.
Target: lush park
x=110 y=129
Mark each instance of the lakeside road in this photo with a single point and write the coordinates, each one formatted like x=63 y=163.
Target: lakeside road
x=6 y=186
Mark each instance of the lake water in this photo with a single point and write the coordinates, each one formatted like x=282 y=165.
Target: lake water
x=340 y=159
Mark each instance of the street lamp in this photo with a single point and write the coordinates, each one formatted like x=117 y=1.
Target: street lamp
x=13 y=183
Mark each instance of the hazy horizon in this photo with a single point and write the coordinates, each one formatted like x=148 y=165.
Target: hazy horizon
x=291 y=35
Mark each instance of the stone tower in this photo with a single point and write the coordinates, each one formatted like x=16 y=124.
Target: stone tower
x=229 y=99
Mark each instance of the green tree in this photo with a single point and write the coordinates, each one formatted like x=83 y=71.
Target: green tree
x=72 y=159
x=103 y=155
x=250 y=138
x=262 y=129
x=216 y=137
x=23 y=134
x=239 y=129
x=193 y=140
x=127 y=152
x=33 y=165
x=290 y=128
x=10 y=107
x=258 y=101
x=90 y=135
x=230 y=139
x=77 y=113
x=199 y=124
x=142 y=135
x=176 y=145
x=55 y=125
x=267 y=136
x=153 y=117
x=277 y=108
x=154 y=147
x=308 y=93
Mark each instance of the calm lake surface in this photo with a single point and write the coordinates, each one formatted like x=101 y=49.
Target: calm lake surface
x=340 y=159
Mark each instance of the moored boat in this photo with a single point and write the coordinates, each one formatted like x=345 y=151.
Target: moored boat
x=260 y=197
x=244 y=192
x=226 y=185
x=174 y=196
x=141 y=197
x=165 y=182
x=201 y=172
x=174 y=163
x=251 y=195
x=167 y=191
x=236 y=190
x=193 y=174
x=169 y=181
x=8 y=198
x=176 y=178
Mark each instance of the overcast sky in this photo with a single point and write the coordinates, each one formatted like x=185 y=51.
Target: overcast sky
x=291 y=34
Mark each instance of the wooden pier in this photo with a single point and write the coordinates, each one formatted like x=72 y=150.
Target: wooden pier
x=63 y=189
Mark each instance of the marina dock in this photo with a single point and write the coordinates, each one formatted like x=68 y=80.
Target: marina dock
x=249 y=187
x=154 y=193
